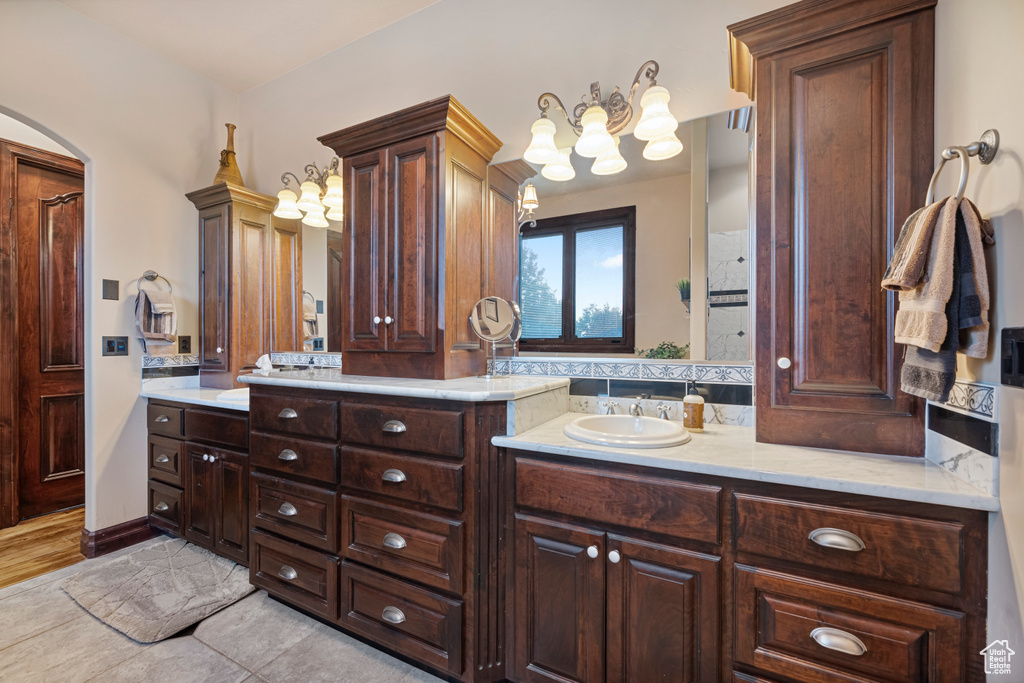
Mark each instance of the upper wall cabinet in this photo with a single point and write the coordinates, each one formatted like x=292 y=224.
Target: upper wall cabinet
x=429 y=230
x=250 y=282
x=843 y=155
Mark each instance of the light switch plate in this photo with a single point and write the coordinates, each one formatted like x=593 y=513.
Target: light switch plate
x=115 y=346
x=1012 y=361
x=184 y=344
x=111 y=290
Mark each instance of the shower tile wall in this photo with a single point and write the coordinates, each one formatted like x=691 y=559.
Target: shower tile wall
x=728 y=283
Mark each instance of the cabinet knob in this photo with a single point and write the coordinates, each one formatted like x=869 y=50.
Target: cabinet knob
x=161 y=419
x=840 y=539
x=840 y=641
x=220 y=350
x=288 y=414
x=287 y=573
x=784 y=363
x=394 y=427
x=162 y=458
x=394 y=476
x=287 y=509
x=212 y=457
x=593 y=552
x=161 y=507
x=376 y=320
x=206 y=457
x=393 y=540
x=388 y=320
x=614 y=557
x=392 y=615
x=288 y=454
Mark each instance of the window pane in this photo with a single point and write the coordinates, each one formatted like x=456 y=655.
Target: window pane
x=599 y=283
x=540 y=286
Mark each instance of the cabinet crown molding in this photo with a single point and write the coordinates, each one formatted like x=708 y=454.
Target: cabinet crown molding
x=444 y=113
x=801 y=23
x=219 y=193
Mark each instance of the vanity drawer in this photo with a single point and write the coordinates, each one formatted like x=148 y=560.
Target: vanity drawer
x=416 y=622
x=164 y=420
x=866 y=637
x=652 y=504
x=421 y=480
x=410 y=544
x=302 y=513
x=165 y=460
x=165 y=507
x=305 y=416
x=906 y=550
x=217 y=427
x=303 y=577
x=296 y=457
x=437 y=432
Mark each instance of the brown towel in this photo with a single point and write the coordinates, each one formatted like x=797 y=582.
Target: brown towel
x=911 y=252
x=155 y=329
x=974 y=327
x=310 y=324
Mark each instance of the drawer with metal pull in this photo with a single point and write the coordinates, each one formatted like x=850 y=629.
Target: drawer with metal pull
x=307 y=514
x=810 y=631
x=165 y=460
x=306 y=578
x=867 y=544
x=296 y=457
x=164 y=420
x=413 y=545
x=431 y=482
x=436 y=432
x=165 y=506
x=314 y=417
x=411 y=620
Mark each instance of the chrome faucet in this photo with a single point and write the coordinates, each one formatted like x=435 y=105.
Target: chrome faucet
x=663 y=411
x=636 y=410
x=609 y=407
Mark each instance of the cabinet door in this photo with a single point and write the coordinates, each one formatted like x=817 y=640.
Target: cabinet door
x=214 y=255
x=365 y=257
x=200 y=491
x=232 y=506
x=412 y=239
x=559 y=610
x=251 y=288
x=662 y=613
x=286 y=329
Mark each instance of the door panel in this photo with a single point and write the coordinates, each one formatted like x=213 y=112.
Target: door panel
x=466 y=275
x=213 y=287
x=252 y=292
x=200 y=496
x=365 y=208
x=232 y=505
x=336 y=313
x=286 y=286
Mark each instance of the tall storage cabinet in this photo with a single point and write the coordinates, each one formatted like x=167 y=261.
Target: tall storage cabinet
x=428 y=225
x=843 y=91
x=250 y=282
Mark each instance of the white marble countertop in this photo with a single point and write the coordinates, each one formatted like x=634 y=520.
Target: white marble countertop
x=201 y=396
x=732 y=452
x=465 y=389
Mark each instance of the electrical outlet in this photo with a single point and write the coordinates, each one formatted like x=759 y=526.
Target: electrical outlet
x=319 y=306
x=111 y=290
x=318 y=344
x=184 y=344
x=1013 y=356
x=115 y=346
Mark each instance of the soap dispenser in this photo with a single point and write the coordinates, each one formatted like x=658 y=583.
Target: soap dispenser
x=693 y=411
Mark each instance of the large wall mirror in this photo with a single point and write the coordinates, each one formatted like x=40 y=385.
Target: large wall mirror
x=653 y=260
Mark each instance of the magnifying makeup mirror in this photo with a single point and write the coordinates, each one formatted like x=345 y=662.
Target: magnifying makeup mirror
x=493 y=319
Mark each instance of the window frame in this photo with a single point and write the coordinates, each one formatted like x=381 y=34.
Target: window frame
x=568 y=226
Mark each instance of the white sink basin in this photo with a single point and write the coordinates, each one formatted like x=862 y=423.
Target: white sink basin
x=235 y=395
x=627 y=431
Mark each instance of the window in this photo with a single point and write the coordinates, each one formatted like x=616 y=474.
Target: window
x=576 y=282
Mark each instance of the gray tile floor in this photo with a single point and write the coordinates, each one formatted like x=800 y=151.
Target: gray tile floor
x=46 y=637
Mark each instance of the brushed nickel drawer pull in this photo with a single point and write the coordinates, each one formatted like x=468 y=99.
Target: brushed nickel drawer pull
x=394 y=427
x=161 y=507
x=393 y=615
x=394 y=476
x=287 y=509
x=837 y=538
x=161 y=419
x=288 y=454
x=840 y=641
x=287 y=573
x=287 y=414
x=393 y=540
x=162 y=459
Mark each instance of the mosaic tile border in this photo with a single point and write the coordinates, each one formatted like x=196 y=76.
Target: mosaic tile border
x=635 y=369
x=322 y=360
x=168 y=361
x=975 y=399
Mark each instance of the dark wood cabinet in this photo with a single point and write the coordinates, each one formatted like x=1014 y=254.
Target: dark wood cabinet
x=200 y=494
x=217 y=501
x=844 y=94
x=364 y=289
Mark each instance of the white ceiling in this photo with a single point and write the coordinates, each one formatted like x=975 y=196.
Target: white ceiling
x=244 y=43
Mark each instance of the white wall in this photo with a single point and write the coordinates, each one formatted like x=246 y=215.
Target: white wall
x=727 y=198
x=16 y=131
x=149 y=131
x=314 y=270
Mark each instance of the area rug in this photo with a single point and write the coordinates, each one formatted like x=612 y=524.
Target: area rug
x=157 y=591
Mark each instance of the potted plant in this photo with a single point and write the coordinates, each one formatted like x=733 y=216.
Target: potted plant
x=665 y=350
x=684 y=292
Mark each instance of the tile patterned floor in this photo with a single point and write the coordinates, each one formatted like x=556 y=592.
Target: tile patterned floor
x=45 y=636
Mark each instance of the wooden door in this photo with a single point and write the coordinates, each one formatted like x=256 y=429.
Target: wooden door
x=843 y=123
x=231 y=505
x=251 y=286
x=286 y=286
x=214 y=276
x=365 y=258
x=559 y=602
x=412 y=238
x=336 y=300
x=46 y=218
x=200 y=492
x=662 y=613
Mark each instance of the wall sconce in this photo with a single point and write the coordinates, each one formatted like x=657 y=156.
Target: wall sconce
x=528 y=203
x=322 y=196
x=597 y=120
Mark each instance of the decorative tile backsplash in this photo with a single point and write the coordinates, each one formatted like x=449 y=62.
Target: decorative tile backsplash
x=612 y=368
x=167 y=361
x=974 y=398
x=322 y=360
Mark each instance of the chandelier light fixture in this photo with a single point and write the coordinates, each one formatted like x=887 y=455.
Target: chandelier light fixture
x=321 y=199
x=528 y=203
x=596 y=121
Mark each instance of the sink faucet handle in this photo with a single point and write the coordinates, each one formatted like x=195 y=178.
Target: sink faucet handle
x=663 y=411
x=610 y=407
x=636 y=410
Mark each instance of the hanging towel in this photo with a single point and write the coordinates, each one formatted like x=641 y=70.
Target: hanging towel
x=911 y=252
x=974 y=326
x=155 y=329
x=310 y=324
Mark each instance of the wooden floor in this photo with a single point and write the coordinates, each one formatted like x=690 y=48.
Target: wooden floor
x=41 y=545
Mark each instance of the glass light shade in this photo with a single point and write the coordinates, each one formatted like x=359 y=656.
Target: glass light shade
x=542 y=148
x=656 y=121
x=335 y=195
x=310 y=199
x=530 y=202
x=609 y=162
x=315 y=219
x=595 y=138
x=286 y=207
x=561 y=169
x=336 y=214
x=663 y=148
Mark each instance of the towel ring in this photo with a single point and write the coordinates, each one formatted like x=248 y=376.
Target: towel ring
x=985 y=149
x=152 y=275
x=308 y=293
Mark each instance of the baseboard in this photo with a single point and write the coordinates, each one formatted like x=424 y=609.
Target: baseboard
x=96 y=543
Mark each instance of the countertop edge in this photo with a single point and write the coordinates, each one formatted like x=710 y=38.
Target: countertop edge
x=173 y=395
x=407 y=391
